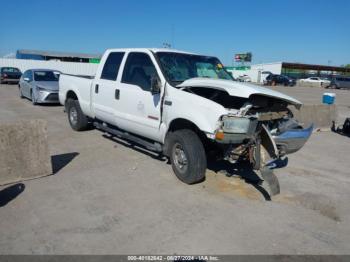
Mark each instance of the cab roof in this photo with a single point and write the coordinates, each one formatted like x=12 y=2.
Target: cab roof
x=155 y=50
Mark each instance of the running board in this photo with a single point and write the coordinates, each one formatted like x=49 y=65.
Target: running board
x=156 y=147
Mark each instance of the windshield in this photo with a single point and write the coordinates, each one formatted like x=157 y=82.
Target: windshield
x=179 y=67
x=10 y=70
x=45 y=76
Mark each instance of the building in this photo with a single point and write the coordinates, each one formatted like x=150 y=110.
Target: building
x=258 y=72
x=57 y=56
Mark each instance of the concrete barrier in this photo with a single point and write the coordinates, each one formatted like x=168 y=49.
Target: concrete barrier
x=321 y=115
x=24 y=152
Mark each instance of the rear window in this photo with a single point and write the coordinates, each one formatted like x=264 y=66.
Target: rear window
x=10 y=70
x=111 y=67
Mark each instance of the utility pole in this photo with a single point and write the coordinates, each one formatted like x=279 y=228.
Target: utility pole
x=166 y=45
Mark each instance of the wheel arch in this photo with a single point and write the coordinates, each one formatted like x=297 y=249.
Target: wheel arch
x=70 y=95
x=180 y=124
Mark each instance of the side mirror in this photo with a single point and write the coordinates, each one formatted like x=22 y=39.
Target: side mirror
x=155 y=85
x=26 y=79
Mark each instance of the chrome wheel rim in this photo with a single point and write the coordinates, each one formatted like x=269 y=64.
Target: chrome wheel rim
x=180 y=158
x=73 y=116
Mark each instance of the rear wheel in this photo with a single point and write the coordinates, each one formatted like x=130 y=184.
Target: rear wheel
x=77 y=120
x=187 y=156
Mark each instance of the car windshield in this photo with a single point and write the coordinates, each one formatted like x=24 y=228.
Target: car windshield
x=10 y=70
x=179 y=67
x=45 y=76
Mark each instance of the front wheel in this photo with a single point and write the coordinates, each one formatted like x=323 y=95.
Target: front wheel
x=20 y=92
x=32 y=96
x=77 y=120
x=187 y=156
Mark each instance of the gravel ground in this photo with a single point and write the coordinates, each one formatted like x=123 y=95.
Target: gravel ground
x=106 y=197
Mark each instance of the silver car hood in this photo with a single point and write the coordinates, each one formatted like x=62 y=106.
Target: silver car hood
x=49 y=85
x=238 y=89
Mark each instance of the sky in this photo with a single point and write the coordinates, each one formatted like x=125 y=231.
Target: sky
x=305 y=31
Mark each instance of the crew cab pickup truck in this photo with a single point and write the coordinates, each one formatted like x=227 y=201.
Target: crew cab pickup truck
x=184 y=106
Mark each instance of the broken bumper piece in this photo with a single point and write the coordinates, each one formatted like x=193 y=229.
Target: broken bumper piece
x=292 y=140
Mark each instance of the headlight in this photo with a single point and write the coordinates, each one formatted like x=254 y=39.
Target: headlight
x=41 y=88
x=239 y=125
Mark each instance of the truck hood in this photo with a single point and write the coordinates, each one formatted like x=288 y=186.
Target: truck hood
x=238 y=89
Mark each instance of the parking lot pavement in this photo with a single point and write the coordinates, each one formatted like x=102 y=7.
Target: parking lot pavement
x=313 y=95
x=108 y=198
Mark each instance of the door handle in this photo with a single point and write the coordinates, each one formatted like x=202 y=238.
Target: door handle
x=116 y=94
x=96 y=88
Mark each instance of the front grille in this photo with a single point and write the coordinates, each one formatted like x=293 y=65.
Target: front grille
x=52 y=97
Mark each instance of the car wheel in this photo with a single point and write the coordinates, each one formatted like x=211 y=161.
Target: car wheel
x=20 y=92
x=187 y=156
x=32 y=97
x=77 y=120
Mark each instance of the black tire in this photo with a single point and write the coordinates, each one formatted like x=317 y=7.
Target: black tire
x=77 y=120
x=32 y=98
x=187 y=142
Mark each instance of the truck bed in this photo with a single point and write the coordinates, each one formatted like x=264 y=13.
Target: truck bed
x=81 y=86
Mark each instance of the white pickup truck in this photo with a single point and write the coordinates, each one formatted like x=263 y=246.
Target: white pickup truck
x=183 y=106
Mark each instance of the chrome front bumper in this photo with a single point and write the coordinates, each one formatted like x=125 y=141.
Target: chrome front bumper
x=292 y=140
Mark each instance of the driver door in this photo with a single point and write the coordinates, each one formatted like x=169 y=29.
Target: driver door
x=138 y=109
x=26 y=85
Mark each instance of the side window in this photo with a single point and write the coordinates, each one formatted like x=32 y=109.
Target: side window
x=27 y=75
x=111 y=67
x=139 y=70
x=30 y=76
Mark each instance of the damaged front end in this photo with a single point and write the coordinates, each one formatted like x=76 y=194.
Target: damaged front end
x=258 y=127
x=260 y=134
x=259 y=122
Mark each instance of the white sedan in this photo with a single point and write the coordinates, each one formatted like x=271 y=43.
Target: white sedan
x=316 y=81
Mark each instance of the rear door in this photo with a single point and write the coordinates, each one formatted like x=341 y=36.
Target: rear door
x=138 y=110
x=343 y=82
x=104 y=88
